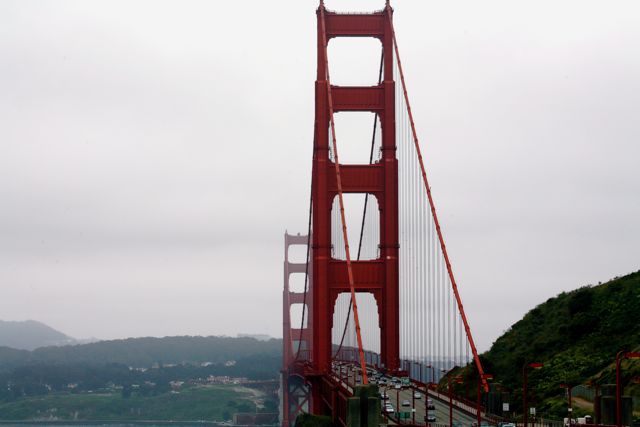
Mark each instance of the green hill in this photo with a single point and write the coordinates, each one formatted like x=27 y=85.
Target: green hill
x=576 y=335
x=144 y=352
x=145 y=368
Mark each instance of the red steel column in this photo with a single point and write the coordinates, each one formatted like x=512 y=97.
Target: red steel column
x=321 y=347
x=291 y=335
x=390 y=339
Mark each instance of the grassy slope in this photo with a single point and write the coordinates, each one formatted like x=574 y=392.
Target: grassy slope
x=197 y=403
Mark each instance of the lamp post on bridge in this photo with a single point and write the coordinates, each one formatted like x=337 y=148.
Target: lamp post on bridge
x=426 y=391
x=478 y=405
x=458 y=380
x=433 y=374
x=570 y=407
x=619 y=357
x=525 y=409
x=596 y=399
x=502 y=389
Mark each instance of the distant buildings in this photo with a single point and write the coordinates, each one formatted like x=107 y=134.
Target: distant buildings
x=224 y=379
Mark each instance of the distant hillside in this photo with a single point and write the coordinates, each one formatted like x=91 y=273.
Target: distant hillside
x=259 y=337
x=29 y=335
x=138 y=377
x=145 y=352
x=576 y=335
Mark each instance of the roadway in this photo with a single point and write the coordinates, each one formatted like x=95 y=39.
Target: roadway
x=441 y=409
x=349 y=376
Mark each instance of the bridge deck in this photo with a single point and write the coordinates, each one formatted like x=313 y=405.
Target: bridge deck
x=417 y=398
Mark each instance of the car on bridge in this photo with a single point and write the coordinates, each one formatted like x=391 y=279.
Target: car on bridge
x=404 y=415
x=406 y=403
x=431 y=418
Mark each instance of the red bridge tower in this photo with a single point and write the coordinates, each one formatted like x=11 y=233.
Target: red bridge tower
x=379 y=276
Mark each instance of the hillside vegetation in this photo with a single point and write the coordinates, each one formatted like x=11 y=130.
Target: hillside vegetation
x=213 y=403
x=144 y=352
x=146 y=366
x=576 y=335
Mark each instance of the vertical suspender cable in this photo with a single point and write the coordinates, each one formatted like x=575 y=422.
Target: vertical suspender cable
x=449 y=317
x=366 y=200
x=423 y=284
x=406 y=280
x=421 y=333
x=431 y=296
x=402 y=222
x=434 y=298
x=306 y=267
x=413 y=251
x=416 y=215
x=454 y=318
x=435 y=219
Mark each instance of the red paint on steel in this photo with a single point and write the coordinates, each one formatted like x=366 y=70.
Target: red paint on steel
x=291 y=359
x=354 y=302
x=436 y=222
x=619 y=356
x=525 y=394
x=331 y=276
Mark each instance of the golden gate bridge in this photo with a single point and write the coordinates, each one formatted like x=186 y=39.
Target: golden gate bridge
x=385 y=308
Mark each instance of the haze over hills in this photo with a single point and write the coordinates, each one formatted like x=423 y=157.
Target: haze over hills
x=170 y=378
x=145 y=352
x=30 y=334
x=575 y=335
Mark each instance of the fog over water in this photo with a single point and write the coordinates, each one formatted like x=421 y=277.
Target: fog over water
x=152 y=153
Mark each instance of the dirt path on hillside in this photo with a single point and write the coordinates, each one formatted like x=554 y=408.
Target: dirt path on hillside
x=581 y=403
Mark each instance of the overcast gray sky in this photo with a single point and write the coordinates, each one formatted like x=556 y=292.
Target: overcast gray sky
x=152 y=153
